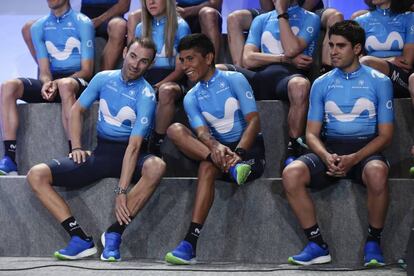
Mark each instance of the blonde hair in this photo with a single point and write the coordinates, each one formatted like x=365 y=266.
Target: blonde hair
x=170 y=28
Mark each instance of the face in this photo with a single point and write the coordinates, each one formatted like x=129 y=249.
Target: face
x=56 y=4
x=156 y=7
x=136 y=61
x=343 y=55
x=195 y=66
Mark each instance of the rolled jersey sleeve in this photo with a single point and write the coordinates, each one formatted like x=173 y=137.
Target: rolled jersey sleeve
x=256 y=30
x=316 y=102
x=310 y=28
x=244 y=92
x=409 y=28
x=195 y=118
x=138 y=30
x=36 y=32
x=92 y=91
x=385 y=101
x=87 y=36
x=145 y=110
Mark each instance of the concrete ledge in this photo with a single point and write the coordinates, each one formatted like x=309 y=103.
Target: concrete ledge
x=41 y=138
x=251 y=224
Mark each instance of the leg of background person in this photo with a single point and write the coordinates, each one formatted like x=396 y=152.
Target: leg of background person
x=295 y=178
x=298 y=92
x=358 y=13
x=209 y=22
x=40 y=180
x=133 y=19
x=68 y=89
x=10 y=92
x=168 y=93
x=117 y=29
x=375 y=176
x=237 y=22
x=27 y=37
x=411 y=88
x=329 y=18
x=376 y=63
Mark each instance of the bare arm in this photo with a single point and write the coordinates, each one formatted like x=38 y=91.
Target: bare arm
x=76 y=123
x=44 y=70
x=253 y=58
x=86 y=70
x=251 y=131
x=266 y=5
x=116 y=10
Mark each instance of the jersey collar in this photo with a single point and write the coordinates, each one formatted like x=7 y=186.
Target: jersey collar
x=383 y=12
x=293 y=8
x=63 y=16
x=350 y=75
x=128 y=83
x=159 y=21
x=212 y=79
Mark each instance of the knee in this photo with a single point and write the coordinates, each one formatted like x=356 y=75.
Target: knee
x=167 y=93
x=376 y=175
x=334 y=17
x=298 y=90
x=208 y=16
x=366 y=60
x=38 y=176
x=175 y=131
x=9 y=89
x=206 y=169
x=154 y=168
x=294 y=177
x=117 y=28
x=411 y=82
x=67 y=88
x=234 y=22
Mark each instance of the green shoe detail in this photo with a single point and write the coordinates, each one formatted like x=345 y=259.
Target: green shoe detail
x=60 y=257
x=243 y=172
x=292 y=261
x=170 y=258
x=373 y=263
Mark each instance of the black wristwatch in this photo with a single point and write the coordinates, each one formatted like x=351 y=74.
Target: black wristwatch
x=240 y=152
x=118 y=190
x=284 y=15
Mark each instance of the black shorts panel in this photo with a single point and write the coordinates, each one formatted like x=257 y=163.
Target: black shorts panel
x=255 y=157
x=255 y=12
x=105 y=161
x=194 y=23
x=399 y=78
x=318 y=169
x=95 y=10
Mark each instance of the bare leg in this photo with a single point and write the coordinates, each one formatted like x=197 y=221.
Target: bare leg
x=10 y=92
x=68 y=89
x=117 y=29
x=133 y=19
x=411 y=88
x=168 y=93
x=209 y=22
x=298 y=91
x=237 y=23
x=329 y=18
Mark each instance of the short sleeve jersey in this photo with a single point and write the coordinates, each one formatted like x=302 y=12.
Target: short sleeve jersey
x=265 y=34
x=221 y=104
x=66 y=41
x=351 y=105
x=126 y=108
x=158 y=27
x=386 y=33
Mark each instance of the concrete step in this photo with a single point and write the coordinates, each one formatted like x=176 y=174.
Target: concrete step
x=41 y=138
x=250 y=224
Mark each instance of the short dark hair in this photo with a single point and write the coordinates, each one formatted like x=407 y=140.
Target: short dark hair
x=396 y=7
x=351 y=30
x=200 y=42
x=144 y=42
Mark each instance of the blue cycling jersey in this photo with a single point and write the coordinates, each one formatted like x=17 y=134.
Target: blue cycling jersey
x=158 y=27
x=190 y=2
x=99 y=2
x=64 y=40
x=265 y=35
x=221 y=104
x=387 y=33
x=351 y=105
x=126 y=108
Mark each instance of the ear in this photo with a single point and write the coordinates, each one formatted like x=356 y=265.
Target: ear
x=358 y=49
x=210 y=58
x=124 y=53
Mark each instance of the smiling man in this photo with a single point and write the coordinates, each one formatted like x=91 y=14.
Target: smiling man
x=350 y=121
x=222 y=112
x=126 y=112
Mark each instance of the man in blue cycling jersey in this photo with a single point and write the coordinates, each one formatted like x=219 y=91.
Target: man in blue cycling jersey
x=350 y=121
x=64 y=42
x=126 y=112
x=226 y=141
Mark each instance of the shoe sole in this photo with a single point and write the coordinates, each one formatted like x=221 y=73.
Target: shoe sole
x=318 y=260
x=8 y=173
x=243 y=172
x=373 y=263
x=83 y=254
x=110 y=259
x=170 y=258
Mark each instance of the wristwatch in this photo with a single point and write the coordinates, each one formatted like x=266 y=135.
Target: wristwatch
x=118 y=190
x=240 y=152
x=284 y=15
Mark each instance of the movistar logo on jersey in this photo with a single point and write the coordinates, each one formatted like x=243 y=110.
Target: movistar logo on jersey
x=225 y=124
x=71 y=44
x=148 y=93
x=126 y=113
x=372 y=42
x=337 y=84
x=361 y=105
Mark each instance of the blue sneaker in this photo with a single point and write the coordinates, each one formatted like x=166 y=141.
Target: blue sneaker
x=240 y=173
x=373 y=255
x=111 y=242
x=77 y=248
x=311 y=254
x=7 y=166
x=183 y=254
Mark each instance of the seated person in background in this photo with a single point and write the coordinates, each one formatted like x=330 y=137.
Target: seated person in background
x=62 y=73
x=161 y=24
x=228 y=143
x=350 y=122
x=240 y=21
x=120 y=153
x=409 y=3
x=390 y=47
x=107 y=18
x=278 y=52
x=201 y=15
